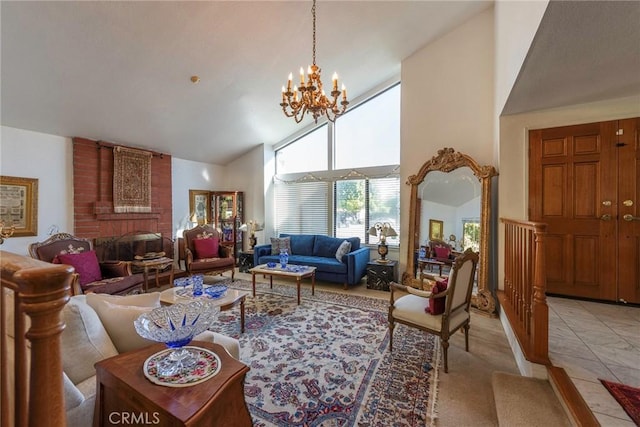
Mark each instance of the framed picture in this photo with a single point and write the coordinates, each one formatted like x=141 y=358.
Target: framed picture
x=199 y=206
x=19 y=204
x=435 y=229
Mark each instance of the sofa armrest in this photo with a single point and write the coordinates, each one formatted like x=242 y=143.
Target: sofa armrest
x=260 y=251
x=357 y=265
x=110 y=269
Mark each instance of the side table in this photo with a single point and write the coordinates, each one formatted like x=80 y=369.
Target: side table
x=245 y=262
x=156 y=265
x=379 y=275
x=124 y=391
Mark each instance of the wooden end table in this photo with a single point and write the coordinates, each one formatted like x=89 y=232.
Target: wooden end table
x=279 y=272
x=422 y=262
x=124 y=394
x=156 y=265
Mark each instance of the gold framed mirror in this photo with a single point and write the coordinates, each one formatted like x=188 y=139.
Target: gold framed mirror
x=452 y=174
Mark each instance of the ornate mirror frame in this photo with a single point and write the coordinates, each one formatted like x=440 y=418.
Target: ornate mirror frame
x=447 y=160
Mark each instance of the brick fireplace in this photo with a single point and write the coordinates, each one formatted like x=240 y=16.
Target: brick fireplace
x=94 y=216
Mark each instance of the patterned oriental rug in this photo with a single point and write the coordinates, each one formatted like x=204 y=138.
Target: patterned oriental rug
x=326 y=362
x=628 y=397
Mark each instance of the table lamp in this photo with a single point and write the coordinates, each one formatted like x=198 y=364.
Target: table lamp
x=382 y=230
x=251 y=226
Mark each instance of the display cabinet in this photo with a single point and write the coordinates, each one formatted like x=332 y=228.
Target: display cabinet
x=227 y=214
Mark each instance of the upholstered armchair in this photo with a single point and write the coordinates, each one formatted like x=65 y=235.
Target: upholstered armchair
x=440 y=311
x=204 y=253
x=91 y=276
x=441 y=251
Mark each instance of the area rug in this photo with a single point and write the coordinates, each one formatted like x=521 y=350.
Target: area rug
x=326 y=362
x=628 y=397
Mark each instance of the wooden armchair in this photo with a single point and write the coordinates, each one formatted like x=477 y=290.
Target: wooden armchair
x=412 y=306
x=106 y=277
x=441 y=251
x=204 y=253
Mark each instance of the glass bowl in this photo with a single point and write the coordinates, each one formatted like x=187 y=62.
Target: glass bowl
x=271 y=264
x=176 y=325
x=215 y=291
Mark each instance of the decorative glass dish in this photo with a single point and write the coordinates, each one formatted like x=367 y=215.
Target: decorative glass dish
x=271 y=264
x=215 y=291
x=176 y=325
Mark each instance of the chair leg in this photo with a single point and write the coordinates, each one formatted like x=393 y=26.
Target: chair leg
x=466 y=337
x=391 y=328
x=233 y=273
x=445 y=349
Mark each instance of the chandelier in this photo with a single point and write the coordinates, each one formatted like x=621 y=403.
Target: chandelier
x=312 y=98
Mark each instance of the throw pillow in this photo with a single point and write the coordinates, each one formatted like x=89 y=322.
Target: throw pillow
x=117 y=314
x=437 y=305
x=442 y=252
x=278 y=244
x=84 y=340
x=207 y=248
x=86 y=265
x=343 y=249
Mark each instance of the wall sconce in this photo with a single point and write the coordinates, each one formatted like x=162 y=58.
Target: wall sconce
x=4 y=233
x=382 y=230
x=251 y=226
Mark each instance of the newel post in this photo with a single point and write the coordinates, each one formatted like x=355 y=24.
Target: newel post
x=540 y=327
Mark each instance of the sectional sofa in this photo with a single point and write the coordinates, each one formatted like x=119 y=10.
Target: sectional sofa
x=319 y=251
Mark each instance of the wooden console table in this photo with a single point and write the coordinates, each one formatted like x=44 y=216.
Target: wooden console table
x=124 y=391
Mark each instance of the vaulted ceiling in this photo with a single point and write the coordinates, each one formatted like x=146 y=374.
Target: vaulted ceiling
x=120 y=71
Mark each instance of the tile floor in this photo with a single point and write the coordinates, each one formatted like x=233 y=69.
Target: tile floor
x=595 y=340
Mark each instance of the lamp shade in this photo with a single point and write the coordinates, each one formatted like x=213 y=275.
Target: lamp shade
x=243 y=227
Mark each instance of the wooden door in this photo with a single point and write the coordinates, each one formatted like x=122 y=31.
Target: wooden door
x=579 y=178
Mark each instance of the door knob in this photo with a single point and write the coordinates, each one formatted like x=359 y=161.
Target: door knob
x=629 y=217
x=606 y=217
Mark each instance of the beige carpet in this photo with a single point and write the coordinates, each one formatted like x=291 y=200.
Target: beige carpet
x=524 y=402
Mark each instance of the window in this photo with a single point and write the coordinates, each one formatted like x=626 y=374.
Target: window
x=369 y=135
x=301 y=207
x=308 y=153
x=359 y=189
x=362 y=203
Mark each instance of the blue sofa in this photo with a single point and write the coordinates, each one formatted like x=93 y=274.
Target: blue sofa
x=320 y=251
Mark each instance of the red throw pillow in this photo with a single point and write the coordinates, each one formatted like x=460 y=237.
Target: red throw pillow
x=437 y=305
x=206 y=248
x=442 y=252
x=86 y=265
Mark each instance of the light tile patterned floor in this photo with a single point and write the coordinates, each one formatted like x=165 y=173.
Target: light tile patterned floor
x=595 y=340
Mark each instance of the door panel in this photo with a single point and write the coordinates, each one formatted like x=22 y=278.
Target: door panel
x=629 y=205
x=583 y=180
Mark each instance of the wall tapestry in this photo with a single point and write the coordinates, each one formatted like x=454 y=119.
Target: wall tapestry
x=131 y=180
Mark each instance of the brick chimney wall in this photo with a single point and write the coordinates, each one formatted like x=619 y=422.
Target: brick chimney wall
x=93 y=194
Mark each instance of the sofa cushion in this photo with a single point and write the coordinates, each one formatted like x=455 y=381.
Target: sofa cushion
x=117 y=314
x=206 y=248
x=86 y=265
x=326 y=246
x=301 y=244
x=277 y=244
x=442 y=252
x=343 y=249
x=84 y=340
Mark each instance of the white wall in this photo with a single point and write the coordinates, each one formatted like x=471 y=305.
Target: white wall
x=48 y=158
x=245 y=174
x=189 y=175
x=447 y=101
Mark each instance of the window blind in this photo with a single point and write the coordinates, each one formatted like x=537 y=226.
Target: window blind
x=302 y=207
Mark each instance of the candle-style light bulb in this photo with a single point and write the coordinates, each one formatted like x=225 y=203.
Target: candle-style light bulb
x=335 y=81
x=289 y=81
x=301 y=76
x=344 y=93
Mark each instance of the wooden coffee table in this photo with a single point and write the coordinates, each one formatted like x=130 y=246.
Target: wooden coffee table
x=230 y=299
x=280 y=272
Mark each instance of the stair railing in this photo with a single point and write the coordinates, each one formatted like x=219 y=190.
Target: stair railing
x=523 y=299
